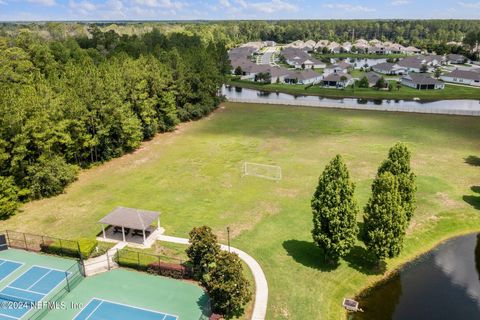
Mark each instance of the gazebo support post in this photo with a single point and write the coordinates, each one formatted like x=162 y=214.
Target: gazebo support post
x=123 y=234
x=143 y=236
x=103 y=231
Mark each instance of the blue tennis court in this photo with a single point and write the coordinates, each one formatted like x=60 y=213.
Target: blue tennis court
x=17 y=298
x=98 y=309
x=7 y=267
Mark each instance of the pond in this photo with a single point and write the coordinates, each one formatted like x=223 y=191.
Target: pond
x=442 y=284
x=460 y=107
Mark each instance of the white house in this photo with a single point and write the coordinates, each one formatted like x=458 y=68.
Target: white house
x=467 y=77
x=422 y=82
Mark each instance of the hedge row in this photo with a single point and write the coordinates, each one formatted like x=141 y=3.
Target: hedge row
x=70 y=248
x=153 y=264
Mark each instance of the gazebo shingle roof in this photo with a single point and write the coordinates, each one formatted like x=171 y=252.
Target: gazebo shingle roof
x=130 y=218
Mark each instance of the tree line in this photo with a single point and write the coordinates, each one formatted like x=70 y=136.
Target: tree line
x=415 y=32
x=386 y=215
x=67 y=104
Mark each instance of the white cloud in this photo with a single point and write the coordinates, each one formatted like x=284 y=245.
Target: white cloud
x=164 y=4
x=274 y=6
x=244 y=8
x=470 y=5
x=400 y=2
x=349 y=7
x=83 y=7
x=47 y=3
x=225 y=3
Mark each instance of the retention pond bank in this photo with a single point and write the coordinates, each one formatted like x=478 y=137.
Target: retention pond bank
x=455 y=107
x=442 y=284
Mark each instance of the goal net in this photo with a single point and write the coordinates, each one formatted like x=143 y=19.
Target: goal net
x=262 y=171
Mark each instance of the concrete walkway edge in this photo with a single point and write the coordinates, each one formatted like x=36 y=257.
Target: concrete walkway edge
x=261 y=286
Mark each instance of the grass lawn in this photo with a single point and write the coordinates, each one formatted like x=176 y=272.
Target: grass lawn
x=193 y=176
x=450 y=92
x=357 y=73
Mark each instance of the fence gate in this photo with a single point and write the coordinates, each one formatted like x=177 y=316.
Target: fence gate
x=3 y=242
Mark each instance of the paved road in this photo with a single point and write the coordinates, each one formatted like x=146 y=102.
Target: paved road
x=261 y=286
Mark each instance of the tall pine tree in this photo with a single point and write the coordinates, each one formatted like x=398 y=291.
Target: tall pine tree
x=385 y=219
x=398 y=163
x=335 y=211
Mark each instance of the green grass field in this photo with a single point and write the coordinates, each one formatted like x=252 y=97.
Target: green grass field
x=449 y=93
x=193 y=176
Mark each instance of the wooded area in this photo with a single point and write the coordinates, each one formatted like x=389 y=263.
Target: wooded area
x=69 y=103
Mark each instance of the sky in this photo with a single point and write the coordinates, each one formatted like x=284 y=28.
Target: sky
x=21 y=10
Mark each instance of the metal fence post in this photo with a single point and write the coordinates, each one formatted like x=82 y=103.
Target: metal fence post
x=68 y=283
x=61 y=247
x=8 y=238
x=108 y=261
x=25 y=240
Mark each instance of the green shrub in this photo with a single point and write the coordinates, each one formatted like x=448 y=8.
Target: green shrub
x=70 y=248
x=87 y=246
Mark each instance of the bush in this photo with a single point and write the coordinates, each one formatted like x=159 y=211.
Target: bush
x=70 y=248
x=87 y=246
x=172 y=270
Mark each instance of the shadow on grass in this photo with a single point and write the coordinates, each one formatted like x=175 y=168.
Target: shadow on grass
x=361 y=260
x=474 y=201
x=473 y=161
x=308 y=254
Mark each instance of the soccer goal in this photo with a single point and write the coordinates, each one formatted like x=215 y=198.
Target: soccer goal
x=259 y=170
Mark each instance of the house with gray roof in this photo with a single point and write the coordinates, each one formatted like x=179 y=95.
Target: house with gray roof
x=300 y=59
x=307 y=76
x=337 y=80
x=471 y=78
x=422 y=82
x=411 y=64
x=389 y=68
x=372 y=78
x=456 y=58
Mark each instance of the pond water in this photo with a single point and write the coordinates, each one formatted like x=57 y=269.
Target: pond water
x=442 y=284
x=461 y=107
x=360 y=63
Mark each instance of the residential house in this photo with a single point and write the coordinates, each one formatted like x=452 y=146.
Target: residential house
x=300 y=59
x=334 y=47
x=456 y=58
x=377 y=49
x=347 y=46
x=340 y=67
x=303 y=77
x=412 y=64
x=412 y=50
x=372 y=78
x=310 y=45
x=321 y=44
x=471 y=78
x=337 y=80
x=422 y=82
x=389 y=68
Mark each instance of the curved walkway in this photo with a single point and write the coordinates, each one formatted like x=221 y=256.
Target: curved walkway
x=261 y=286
